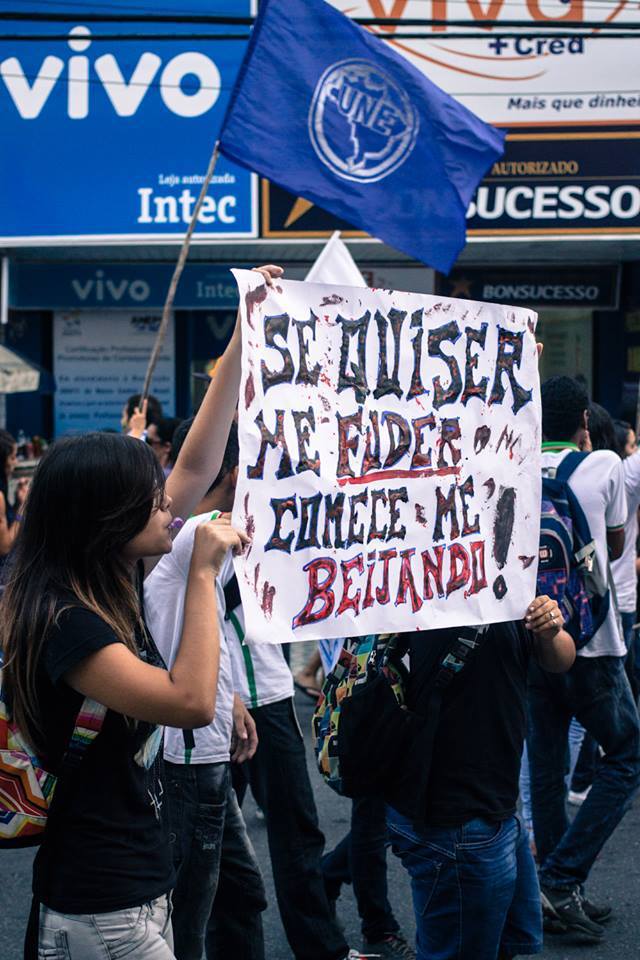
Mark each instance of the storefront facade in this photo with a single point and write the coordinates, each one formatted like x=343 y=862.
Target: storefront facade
x=91 y=237
x=96 y=323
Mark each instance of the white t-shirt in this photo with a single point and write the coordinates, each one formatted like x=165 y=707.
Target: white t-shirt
x=624 y=568
x=598 y=483
x=260 y=672
x=164 y=595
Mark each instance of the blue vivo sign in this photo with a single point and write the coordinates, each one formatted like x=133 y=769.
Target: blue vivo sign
x=110 y=139
x=81 y=286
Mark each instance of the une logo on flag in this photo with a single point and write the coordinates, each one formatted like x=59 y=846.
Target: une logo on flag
x=362 y=124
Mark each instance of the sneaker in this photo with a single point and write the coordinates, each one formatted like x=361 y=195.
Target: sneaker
x=563 y=912
x=577 y=799
x=354 y=955
x=392 y=945
x=599 y=912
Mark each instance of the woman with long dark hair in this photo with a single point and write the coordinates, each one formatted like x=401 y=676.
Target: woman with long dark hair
x=73 y=637
x=10 y=515
x=72 y=629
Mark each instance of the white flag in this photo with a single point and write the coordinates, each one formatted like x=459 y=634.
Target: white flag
x=336 y=265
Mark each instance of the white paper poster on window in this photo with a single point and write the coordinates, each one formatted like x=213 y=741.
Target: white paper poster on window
x=99 y=361
x=389 y=460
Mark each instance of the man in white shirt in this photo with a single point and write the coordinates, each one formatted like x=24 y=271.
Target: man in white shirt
x=206 y=825
x=595 y=690
x=278 y=776
x=278 y=772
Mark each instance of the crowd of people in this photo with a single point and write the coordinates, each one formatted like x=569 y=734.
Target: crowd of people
x=146 y=852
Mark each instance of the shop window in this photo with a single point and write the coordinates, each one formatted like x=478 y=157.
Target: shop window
x=568 y=344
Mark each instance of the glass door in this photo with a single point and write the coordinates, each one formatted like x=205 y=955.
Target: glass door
x=568 y=344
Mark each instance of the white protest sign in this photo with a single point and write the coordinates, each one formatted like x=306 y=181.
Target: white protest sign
x=389 y=460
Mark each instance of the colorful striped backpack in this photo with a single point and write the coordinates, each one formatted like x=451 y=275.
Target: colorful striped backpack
x=26 y=787
x=367 y=743
x=361 y=660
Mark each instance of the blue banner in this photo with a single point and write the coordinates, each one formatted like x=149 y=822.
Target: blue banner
x=353 y=126
x=106 y=138
x=81 y=286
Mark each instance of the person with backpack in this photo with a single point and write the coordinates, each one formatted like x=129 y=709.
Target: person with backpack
x=83 y=688
x=80 y=666
x=595 y=690
x=602 y=436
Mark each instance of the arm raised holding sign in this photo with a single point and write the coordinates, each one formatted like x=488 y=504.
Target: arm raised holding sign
x=201 y=456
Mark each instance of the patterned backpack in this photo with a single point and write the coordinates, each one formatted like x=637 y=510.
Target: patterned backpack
x=367 y=743
x=26 y=787
x=361 y=660
x=568 y=568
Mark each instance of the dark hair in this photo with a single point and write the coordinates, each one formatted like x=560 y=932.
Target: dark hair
x=166 y=428
x=7 y=445
x=230 y=457
x=564 y=401
x=89 y=497
x=622 y=430
x=601 y=428
x=154 y=407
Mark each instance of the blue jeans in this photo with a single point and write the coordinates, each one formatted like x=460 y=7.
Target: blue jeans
x=361 y=859
x=475 y=890
x=628 y=633
x=632 y=643
x=207 y=834
x=596 y=691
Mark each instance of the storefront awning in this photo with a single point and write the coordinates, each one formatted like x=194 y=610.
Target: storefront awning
x=18 y=375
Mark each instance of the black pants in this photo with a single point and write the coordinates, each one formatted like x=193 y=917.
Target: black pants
x=361 y=859
x=280 y=783
x=596 y=692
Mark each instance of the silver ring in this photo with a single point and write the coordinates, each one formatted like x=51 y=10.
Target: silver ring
x=551 y=616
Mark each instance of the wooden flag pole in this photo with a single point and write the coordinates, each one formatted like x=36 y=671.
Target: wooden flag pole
x=177 y=273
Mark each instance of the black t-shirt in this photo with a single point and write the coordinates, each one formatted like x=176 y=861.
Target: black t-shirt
x=481 y=728
x=105 y=846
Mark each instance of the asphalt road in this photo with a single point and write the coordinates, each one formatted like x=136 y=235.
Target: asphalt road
x=615 y=878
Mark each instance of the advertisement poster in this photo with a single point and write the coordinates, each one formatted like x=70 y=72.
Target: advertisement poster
x=389 y=460
x=99 y=361
x=518 y=77
x=110 y=139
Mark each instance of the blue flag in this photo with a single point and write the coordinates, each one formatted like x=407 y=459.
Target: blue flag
x=327 y=111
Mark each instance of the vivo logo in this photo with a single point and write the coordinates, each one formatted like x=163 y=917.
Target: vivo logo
x=30 y=94
x=98 y=289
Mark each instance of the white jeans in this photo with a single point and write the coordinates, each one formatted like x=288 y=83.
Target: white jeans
x=141 y=932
